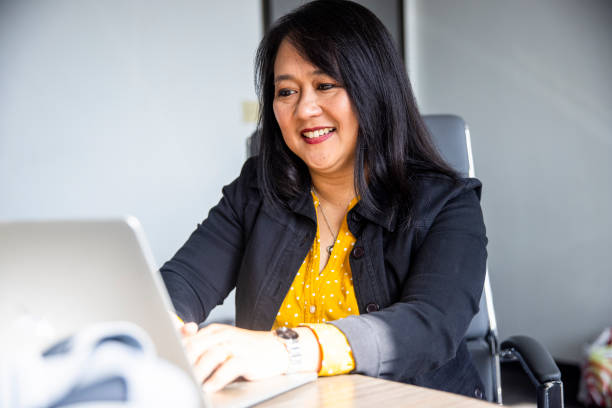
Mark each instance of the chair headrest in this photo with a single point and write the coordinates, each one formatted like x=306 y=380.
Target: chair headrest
x=448 y=133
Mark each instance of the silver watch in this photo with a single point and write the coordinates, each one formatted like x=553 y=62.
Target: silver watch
x=290 y=338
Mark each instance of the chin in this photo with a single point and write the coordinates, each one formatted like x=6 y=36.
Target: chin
x=322 y=168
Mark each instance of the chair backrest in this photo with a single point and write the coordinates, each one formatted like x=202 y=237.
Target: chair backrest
x=451 y=137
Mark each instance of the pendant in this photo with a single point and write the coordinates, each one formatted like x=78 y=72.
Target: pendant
x=330 y=249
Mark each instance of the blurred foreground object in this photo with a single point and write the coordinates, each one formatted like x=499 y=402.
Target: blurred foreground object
x=597 y=372
x=113 y=363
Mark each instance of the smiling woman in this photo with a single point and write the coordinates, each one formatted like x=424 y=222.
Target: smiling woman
x=352 y=246
x=315 y=115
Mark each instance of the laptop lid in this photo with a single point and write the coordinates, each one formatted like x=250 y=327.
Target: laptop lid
x=63 y=275
x=56 y=277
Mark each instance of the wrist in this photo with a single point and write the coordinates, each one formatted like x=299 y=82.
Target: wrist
x=290 y=339
x=301 y=349
x=311 y=349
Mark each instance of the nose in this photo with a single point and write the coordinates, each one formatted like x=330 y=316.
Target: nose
x=308 y=105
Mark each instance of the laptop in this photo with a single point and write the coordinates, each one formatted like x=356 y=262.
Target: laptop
x=64 y=275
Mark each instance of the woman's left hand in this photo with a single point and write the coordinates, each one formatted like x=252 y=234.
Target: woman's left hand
x=220 y=353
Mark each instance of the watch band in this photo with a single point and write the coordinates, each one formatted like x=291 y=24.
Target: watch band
x=290 y=339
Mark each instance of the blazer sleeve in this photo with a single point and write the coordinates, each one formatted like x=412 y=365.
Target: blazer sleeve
x=204 y=270
x=423 y=330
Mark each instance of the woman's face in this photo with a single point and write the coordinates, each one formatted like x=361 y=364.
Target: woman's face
x=315 y=114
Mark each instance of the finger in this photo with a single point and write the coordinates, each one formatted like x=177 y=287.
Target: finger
x=209 y=361
x=203 y=341
x=189 y=329
x=215 y=328
x=225 y=374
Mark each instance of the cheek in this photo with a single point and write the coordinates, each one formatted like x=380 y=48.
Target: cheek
x=280 y=114
x=275 y=110
x=345 y=106
x=281 y=120
x=352 y=124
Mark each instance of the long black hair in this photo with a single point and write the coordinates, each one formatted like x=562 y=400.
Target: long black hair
x=350 y=44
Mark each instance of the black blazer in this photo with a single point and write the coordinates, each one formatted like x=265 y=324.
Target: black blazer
x=417 y=288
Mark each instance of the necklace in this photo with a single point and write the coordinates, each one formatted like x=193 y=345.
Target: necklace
x=334 y=234
x=330 y=248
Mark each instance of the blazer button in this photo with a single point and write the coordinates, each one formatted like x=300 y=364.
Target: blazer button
x=372 y=307
x=478 y=393
x=358 y=252
x=356 y=217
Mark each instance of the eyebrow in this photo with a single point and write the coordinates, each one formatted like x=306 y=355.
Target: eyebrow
x=289 y=77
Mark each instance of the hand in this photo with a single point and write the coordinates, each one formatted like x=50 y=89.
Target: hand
x=219 y=354
x=177 y=321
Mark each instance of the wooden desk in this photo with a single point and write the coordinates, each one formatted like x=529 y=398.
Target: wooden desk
x=360 y=391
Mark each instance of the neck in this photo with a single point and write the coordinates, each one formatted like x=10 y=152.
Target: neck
x=334 y=190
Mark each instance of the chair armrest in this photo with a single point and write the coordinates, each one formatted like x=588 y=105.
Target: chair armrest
x=533 y=357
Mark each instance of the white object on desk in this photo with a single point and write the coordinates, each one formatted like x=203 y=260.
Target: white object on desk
x=113 y=363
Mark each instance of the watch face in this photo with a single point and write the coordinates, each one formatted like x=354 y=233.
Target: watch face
x=286 y=333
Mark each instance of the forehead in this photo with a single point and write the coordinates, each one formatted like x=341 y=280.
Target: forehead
x=290 y=63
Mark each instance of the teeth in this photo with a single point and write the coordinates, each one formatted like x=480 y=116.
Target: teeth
x=317 y=133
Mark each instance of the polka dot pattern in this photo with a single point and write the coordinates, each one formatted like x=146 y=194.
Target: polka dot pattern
x=331 y=298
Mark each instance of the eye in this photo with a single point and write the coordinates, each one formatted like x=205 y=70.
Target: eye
x=326 y=86
x=285 y=92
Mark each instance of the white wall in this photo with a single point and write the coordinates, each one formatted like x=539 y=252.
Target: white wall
x=124 y=106
x=534 y=82
x=114 y=107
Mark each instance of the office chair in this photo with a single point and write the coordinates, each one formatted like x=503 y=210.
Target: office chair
x=451 y=137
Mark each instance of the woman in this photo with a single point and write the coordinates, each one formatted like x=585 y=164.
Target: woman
x=347 y=235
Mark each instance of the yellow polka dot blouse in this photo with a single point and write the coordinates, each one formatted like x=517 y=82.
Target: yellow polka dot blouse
x=316 y=298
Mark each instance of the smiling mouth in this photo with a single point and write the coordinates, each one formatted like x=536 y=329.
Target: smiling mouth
x=318 y=133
